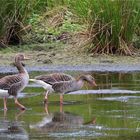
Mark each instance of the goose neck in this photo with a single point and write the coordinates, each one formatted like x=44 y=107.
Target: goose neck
x=20 y=67
x=80 y=83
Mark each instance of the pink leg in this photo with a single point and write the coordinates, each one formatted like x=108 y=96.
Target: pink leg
x=5 y=103
x=46 y=108
x=5 y=114
x=61 y=107
x=46 y=97
x=19 y=105
x=61 y=98
x=19 y=114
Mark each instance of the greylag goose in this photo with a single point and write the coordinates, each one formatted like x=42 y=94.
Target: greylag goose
x=61 y=86
x=13 y=84
x=53 y=78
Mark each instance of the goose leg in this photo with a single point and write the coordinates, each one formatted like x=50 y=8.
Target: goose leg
x=5 y=103
x=5 y=114
x=46 y=108
x=46 y=97
x=61 y=98
x=19 y=105
x=61 y=107
x=19 y=114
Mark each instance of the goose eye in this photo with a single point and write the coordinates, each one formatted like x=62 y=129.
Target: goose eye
x=92 y=79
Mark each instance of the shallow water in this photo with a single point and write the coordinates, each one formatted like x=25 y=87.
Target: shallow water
x=107 y=112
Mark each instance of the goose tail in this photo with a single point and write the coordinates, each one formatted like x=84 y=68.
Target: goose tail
x=3 y=93
x=46 y=86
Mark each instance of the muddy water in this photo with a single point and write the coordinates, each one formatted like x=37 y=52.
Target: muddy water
x=110 y=111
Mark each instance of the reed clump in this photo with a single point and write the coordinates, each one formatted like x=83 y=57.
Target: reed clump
x=13 y=17
x=111 y=24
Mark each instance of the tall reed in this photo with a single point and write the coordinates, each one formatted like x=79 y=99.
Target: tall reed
x=13 y=14
x=112 y=23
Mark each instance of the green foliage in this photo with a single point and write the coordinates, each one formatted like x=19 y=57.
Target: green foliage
x=48 y=27
x=70 y=27
x=46 y=5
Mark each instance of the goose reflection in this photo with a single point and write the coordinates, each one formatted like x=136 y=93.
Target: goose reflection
x=59 y=121
x=12 y=130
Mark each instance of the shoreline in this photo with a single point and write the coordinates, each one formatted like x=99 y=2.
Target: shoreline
x=69 y=59
x=125 y=68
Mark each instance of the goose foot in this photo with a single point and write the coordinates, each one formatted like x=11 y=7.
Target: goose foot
x=19 y=105
x=61 y=102
x=23 y=108
x=5 y=109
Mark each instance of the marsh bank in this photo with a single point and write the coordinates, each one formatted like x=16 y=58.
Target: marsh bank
x=69 y=59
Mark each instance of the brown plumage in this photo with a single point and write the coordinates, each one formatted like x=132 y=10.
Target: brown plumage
x=62 y=85
x=13 y=84
x=73 y=85
x=55 y=77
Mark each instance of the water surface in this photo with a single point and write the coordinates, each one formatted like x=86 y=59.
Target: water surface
x=107 y=112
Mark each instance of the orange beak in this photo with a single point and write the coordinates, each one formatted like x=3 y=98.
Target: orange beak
x=94 y=83
x=26 y=58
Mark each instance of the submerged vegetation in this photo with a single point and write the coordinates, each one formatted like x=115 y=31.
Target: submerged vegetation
x=101 y=26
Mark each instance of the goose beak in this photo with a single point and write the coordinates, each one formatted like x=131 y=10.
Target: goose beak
x=26 y=58
x=94 y=84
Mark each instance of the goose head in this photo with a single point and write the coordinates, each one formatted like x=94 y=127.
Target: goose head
x=20 y=57
x=88 y=78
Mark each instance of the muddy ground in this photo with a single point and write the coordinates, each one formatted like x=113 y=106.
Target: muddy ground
x=68 y=58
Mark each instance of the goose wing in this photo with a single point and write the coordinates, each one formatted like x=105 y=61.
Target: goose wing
x=8 y=81
x=55 y=77
x=64 y=86
x=14 y=88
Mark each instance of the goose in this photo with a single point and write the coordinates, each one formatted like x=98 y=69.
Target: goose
x=52 y=83
x=14 y=84
x=53 y=78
